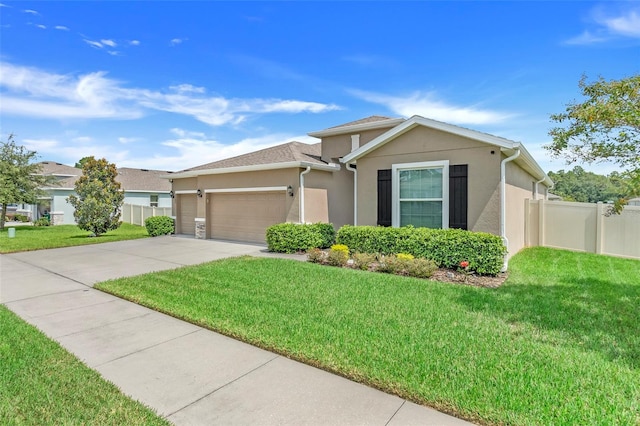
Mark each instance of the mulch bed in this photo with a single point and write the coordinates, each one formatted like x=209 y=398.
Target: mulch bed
x=456 y=277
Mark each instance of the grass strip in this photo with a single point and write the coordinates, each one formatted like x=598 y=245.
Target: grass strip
x=558 y=343
x=43 y=384
x=45 y=237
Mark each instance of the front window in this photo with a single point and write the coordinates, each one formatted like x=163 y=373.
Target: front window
x=153 y=200
x=420 y=194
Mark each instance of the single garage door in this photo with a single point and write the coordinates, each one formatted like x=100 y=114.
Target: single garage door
x=246 y=216
x=187 y=215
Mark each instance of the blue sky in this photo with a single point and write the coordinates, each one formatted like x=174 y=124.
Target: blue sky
x=171 y=85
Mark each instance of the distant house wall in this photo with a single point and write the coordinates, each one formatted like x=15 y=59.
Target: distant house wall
x=140 y=198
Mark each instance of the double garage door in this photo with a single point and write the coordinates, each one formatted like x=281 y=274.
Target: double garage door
x=245 y=216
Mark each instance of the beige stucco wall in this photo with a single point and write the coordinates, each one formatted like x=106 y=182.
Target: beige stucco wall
x=339 y=189
x=316 y=205
x=334 y=147
x=424 y=144
x=519 y=187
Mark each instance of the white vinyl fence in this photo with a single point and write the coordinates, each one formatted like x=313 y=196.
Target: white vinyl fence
x=583 y=227
x=136 y=215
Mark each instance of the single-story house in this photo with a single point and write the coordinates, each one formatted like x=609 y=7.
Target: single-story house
x=375 y=171
x=141 y=187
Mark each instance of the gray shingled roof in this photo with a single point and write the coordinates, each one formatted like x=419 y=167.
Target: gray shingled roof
x=370 y=119
x=130 y=179
x=143 y=179
x=288 y=152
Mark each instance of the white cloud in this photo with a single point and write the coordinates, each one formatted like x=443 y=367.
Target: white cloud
x=82 y=139
x=94 y=44
x=113 y=52
x=4 y=5
x=187 y=88
x=176 y=41
x=609 y=26
x=72 y=152
x=627 y=24
x=35 y=93
x=428 y=106
x=31 y=12
x=108 y=42
x=134 y=42
x=586 y=38
x=192 y=149
x=125 y=140
x=42 y=27
x=61 y=28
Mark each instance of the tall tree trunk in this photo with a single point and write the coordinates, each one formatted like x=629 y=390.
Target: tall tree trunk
x=3 y=215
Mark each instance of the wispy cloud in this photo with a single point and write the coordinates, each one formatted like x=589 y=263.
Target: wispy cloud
x=430 y=106
x=61 y=28
x=134 y=42
x=4 y=5
x=75 y=150
x=31 y=12
x=108 y=42
x=42 y=27
x=126 y=140
x=35 y=93
x=607 y=26
x=94 y=44
x=177 y=41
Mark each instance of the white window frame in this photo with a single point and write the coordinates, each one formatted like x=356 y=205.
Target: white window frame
x=151 y=202
x=395 y=188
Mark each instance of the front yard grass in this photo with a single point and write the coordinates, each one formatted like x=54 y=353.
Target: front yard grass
x=46 y=237
x=558 y=343
x=42 y=384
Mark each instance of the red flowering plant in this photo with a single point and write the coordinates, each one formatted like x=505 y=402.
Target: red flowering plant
x=464 y=268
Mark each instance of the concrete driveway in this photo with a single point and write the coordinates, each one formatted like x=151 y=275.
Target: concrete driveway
x=189 y=375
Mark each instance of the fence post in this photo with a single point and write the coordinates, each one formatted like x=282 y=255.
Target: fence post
x=599 y=226
x=527 y=224
x=541 y=224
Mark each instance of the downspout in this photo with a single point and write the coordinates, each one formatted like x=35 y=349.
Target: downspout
x=503 y=204
x=350 y=167
x=535 y=195
x=301 y=189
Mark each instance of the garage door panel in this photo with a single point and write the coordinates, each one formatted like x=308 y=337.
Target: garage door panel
x=188 y=208
x=246 y=216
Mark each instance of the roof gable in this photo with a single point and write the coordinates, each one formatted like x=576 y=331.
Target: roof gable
x=507 y=145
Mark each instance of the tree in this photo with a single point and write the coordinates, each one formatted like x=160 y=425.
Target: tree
x=587 y=187
x=604 y=127
x=80 y=163
x=21 y=180
x=99 y=200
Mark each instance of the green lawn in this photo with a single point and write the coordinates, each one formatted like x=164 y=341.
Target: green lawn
x=42 y=384
x=558 y=343
x=46 y=237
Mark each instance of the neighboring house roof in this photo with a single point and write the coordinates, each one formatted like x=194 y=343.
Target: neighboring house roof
x=369 y=123
x=131 y=179
x=287 y=155
x=525 y=160
x=143 y=180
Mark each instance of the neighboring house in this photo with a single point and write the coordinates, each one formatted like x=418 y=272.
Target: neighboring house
x=141 y=187
x=634 y=202
x=374 y=171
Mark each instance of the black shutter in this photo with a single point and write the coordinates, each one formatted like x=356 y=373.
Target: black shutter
x=458 y=196
x=384 y=197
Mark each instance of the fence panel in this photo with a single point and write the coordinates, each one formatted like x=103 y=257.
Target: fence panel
x=583 y=227
x=136 y=215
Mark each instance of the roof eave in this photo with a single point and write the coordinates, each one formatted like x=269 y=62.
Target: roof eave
x=255 y=168
x=357 y=128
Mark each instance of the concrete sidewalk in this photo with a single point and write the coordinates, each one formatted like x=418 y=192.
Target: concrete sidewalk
x=189 y=375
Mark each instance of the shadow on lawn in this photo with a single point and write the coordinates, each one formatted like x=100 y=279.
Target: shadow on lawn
x=598 y=315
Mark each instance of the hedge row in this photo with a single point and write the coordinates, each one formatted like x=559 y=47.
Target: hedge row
x=159 y=225
x=446 y=247
x=294 y=237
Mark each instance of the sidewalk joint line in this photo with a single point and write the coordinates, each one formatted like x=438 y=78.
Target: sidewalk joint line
x=223 y=386
x=396 y=412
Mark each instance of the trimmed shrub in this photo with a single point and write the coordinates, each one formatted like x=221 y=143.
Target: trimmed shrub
x=338 y=255
x=294 y=237
x=159 y=225
x=363 y=261
x=43 y=221
x=421 y=268
x=21 y=218
x=446 y=247
x=315 y=255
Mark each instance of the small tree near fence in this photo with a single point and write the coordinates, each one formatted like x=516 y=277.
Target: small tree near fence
x=100 y=197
